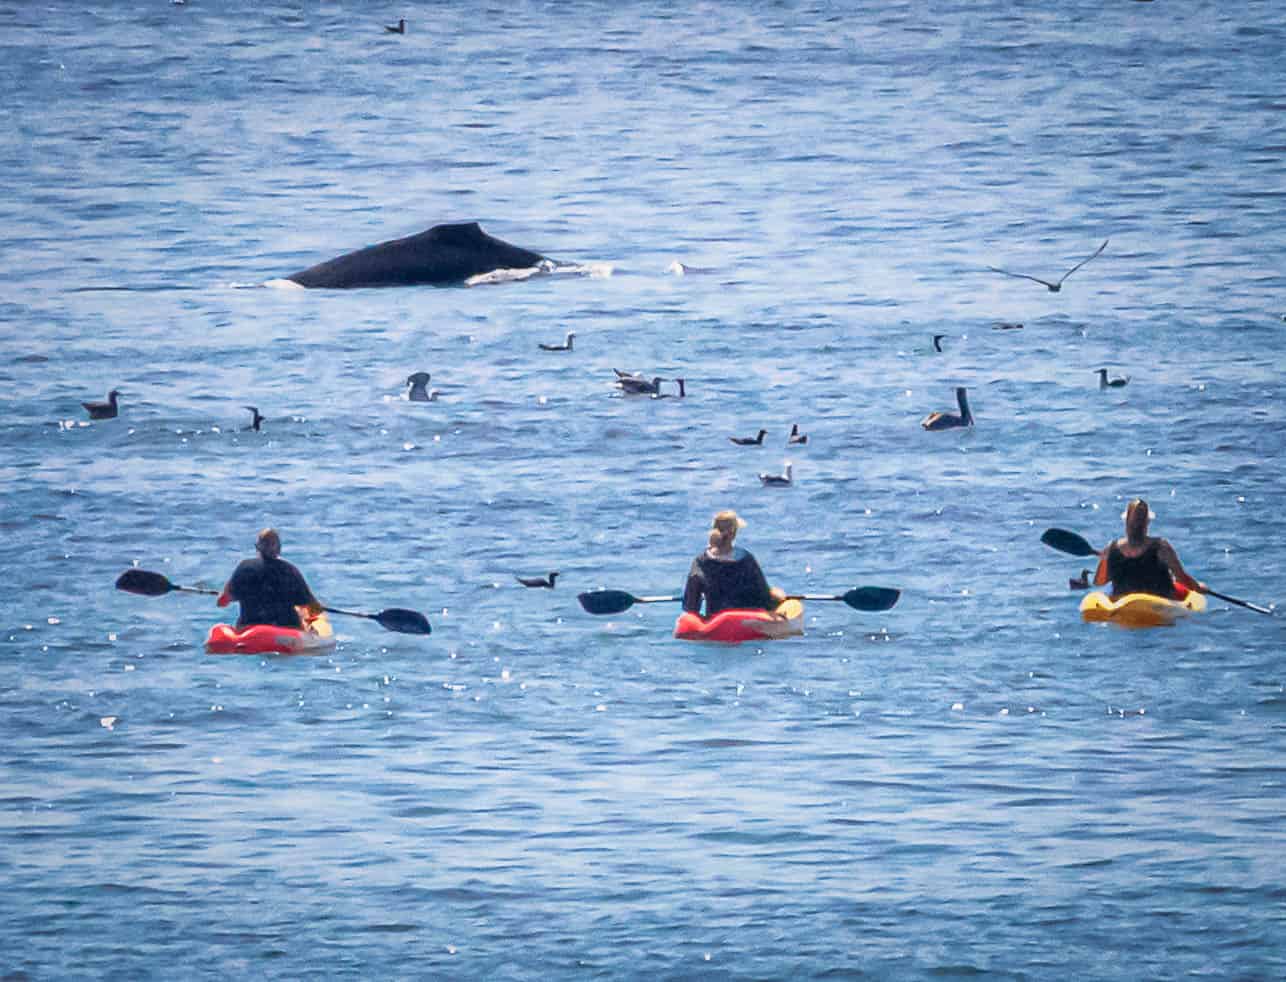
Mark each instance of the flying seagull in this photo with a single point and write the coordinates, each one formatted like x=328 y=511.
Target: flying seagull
x=1052 y=287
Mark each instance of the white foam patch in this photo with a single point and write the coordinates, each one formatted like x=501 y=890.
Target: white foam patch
x=503 y=276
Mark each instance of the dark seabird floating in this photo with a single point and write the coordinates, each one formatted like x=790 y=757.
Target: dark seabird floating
x=1081 y=582
x=783 y=480
x=256 y=420
x=637 y=385
x=947 y=421
x=1052 y=287
x=398 y=28
x=1111 y=383
x=749 y=441
x=103 y=410
x=546 y=581
x=1008 y=326
x=418 y=392
x=566 y=346
x=937 y=341
x=795 y=435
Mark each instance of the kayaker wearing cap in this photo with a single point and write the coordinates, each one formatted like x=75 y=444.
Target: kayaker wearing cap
x=728 y=576
x=269 y=588
x=1139 y=563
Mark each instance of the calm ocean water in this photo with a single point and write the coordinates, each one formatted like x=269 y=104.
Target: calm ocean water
x=971 y=784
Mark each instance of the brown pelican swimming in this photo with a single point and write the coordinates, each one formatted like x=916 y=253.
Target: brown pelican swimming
x=1111 y=383
x=749 y=441
x=783 y=480
x=1052 y=287
x=538 y=581
x=103 y=410
x=566 y=346
x=947 y=421
x=795 y=435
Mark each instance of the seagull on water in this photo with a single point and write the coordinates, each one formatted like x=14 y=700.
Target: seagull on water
x=795 y=435
x=1052 y=287
x=1081 y=582
x=538 y=581
x=1111 y=383
x=565 y=346
x=749 y=441
x=783 y=480
x=398 y=28
x=637 y=385
x=103 y=410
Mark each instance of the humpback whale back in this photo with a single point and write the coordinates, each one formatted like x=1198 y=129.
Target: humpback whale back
x=443 y=254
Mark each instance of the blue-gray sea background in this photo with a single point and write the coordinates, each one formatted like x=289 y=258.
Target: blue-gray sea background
x=973 y=783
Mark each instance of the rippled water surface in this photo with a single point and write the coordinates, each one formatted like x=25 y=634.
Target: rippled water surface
x=973 y=783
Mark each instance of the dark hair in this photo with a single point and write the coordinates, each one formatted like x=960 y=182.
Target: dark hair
x=268 y=544
x=1134 y=524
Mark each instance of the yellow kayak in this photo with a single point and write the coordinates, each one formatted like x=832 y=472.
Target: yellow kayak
x=1140 y=609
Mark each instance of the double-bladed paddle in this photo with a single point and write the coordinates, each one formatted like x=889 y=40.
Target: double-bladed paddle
x=1076 y=545
x=616 y=601
x=149 y=584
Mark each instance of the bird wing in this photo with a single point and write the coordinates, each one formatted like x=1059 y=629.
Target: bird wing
x=1024 y=276
x=1084 y=261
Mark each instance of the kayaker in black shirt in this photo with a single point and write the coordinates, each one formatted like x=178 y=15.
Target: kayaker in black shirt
x=727 y=577
x=1139 y=563
x=268 y=588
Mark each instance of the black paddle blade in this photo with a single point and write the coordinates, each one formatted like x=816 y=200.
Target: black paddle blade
x=606 y=601
x=871 y=597
x=404 y=621
x=144 y=583
x=1069 y=542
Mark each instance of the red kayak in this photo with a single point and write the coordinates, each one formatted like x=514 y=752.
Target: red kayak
x=261 y=639
x=736 y=625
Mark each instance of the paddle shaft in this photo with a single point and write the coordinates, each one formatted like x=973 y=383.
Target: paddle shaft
x=1240 y=603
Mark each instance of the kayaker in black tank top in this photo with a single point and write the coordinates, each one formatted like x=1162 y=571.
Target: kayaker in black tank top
x=268 y=588
x=727 y=577
x=1139 y=563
